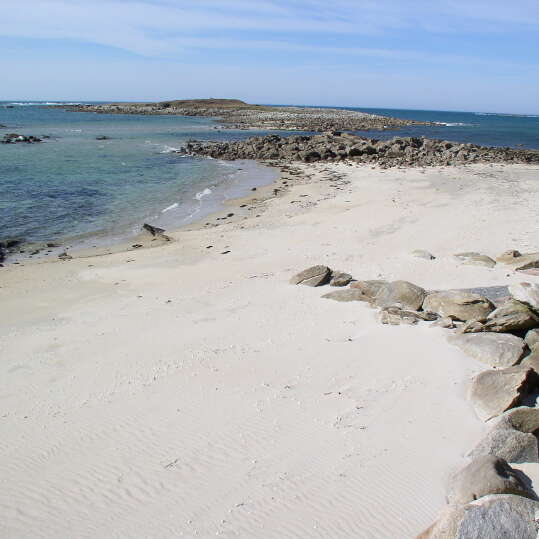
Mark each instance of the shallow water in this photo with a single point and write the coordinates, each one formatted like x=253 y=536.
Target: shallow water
x=73 y=186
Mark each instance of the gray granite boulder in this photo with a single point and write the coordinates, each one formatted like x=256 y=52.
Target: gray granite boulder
x=347 y=294
x=396 y=316
x=368 y=288
x=458 y=304
x=494 y=349
x=497 y=516
x=526 y=293
x=495 y=391
x=400 y=294
x=339 y=278
x=509 y=444
x=486 y=475
x=313 y=276
x=511 y=316
x=532 y=338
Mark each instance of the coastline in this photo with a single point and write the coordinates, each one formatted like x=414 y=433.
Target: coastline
x=205 y=390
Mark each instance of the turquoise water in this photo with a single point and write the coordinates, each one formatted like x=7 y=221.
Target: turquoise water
x=73 y=187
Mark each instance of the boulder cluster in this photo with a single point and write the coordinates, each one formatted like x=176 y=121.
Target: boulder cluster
x=14 y=138
x=498 y=326
x=335 y=146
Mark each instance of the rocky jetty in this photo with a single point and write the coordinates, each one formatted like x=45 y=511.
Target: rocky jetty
x=335 y=146
x=14 y=138
x=236 y=114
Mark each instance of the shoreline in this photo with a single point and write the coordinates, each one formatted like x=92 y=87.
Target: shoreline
x=206 y=390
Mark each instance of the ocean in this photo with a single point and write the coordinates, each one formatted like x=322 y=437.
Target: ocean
x=75 y=189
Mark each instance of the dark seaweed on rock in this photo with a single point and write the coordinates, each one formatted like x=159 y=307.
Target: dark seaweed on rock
x=399 y=151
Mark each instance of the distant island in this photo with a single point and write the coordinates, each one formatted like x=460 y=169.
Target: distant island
x=236 y=114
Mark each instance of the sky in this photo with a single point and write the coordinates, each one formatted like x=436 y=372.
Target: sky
x=469 y=55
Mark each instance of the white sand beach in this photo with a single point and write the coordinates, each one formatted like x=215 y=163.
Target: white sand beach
x=182 y=392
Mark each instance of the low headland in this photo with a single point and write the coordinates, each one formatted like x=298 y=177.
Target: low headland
x=236 y=114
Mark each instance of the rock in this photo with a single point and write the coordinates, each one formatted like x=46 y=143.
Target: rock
x=339 y=278
x=496 y=516
x=508 y=257
x=496 y=391
x=395 y=316
x=368 y=288
x=461 y=257
x=446 y=322
x=472 y=326
x=532 y=361
x=65 y=256
x=420 y=253
x=313 y=276
x=523 y=419
x=102 y=137
x=153 y=230
x=528 y=262
x=509 y=444
x=494 y=349
x=349 y=294
x=511 y=316
x=526 y=293
x=480 y=260
x=483 y=476
x=400 y=294
x=458 y=304
x=532 y=338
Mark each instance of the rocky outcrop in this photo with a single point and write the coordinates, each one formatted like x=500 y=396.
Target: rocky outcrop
x=493 y=349
x=400 y=294
x=483 y=476
x=14 y=138
x=236 y=114
x=458 y=304
x=496 y=391
x=313 y=276
x=491 y=517
x=399 y=151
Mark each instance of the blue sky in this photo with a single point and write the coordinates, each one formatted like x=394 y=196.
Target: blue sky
x=479 y=55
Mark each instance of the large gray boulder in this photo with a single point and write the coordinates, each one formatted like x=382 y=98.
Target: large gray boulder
x=458 y=305
x=339 y=278
x=346 y=294
x=486 y=475
x=313 y=276
x=532 y=338
x=494 y=349
x=526 y=293
x=495 y=391
x=511 y=316
x=368 y=288
x=400 y=294
x=497 y=516
x=509 y=444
